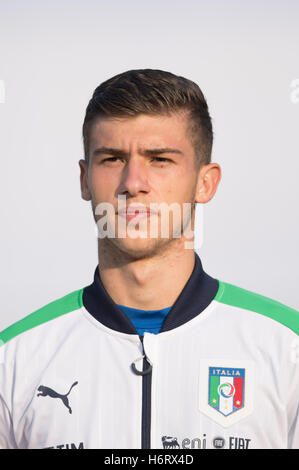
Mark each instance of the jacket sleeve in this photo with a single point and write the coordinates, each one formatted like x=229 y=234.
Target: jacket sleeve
x=293 y=405
x=293 y=441
x=7 y=439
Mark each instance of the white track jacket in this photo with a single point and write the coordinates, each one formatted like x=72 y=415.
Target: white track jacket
x=222 y=373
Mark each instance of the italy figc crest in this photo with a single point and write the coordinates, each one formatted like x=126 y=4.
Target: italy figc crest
x=226 y=389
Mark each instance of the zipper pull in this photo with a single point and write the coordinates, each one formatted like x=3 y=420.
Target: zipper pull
x=145 y=371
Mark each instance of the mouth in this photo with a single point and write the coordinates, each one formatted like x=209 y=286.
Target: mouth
x=132 y=212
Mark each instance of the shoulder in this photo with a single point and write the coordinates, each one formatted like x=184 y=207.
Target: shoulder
x=232 y=295
x=66 y=304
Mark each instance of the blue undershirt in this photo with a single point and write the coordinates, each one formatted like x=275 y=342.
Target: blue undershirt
x=146 y=320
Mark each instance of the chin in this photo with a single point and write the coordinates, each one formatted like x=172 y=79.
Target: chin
x=140 y=248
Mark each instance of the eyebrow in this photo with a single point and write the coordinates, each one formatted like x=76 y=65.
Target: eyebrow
x=146 y=152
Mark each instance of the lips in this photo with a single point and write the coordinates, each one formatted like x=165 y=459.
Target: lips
x=132 y=210
x=135 y=211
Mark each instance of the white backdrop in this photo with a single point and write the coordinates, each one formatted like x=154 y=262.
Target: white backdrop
x=243 y=55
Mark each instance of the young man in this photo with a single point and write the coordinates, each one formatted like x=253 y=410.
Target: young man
x=155 y=353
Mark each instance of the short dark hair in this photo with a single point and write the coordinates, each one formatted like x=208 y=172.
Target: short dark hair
x=153 y=92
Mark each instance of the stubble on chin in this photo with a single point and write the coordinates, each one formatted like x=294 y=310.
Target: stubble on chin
x=119 y=251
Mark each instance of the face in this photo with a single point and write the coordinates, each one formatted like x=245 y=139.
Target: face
x=148 y=160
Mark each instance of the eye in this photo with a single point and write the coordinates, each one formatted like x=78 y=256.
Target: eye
x=161 y=159
x=111 y=159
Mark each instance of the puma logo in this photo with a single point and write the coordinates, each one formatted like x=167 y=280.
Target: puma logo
x=48 y=392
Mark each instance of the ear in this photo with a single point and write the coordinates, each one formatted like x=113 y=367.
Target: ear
x=209 y=177
x=85 y=193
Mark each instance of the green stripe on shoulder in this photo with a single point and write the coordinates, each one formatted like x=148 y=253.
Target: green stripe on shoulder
x=238 y=297
x=57 y=308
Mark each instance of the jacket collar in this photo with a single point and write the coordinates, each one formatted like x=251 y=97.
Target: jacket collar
x=198 y=293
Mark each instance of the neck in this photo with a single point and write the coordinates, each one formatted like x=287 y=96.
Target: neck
x=150 y=282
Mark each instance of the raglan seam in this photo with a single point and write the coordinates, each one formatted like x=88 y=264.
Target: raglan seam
x=219 y=296
x=263 y=316
x=79 y=303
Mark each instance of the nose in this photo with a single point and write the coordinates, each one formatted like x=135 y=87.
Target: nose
x=134 y=178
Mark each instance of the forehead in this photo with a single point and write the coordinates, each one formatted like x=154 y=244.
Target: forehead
x=141 y=130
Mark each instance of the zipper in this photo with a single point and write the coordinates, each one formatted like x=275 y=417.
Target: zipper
x=146 y=374
x=146 y=407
